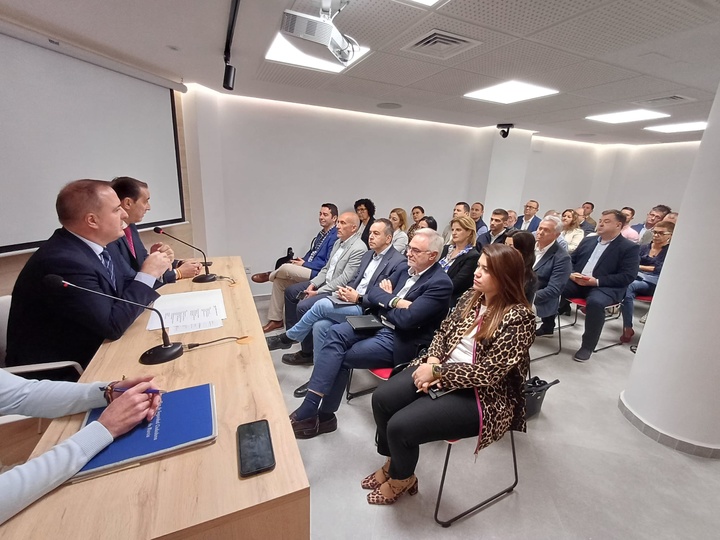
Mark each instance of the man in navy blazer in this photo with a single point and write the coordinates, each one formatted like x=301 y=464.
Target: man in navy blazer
x=529 y=221
x=47 y=324
x=497 y=232
x=604 y=266
x=134 y=198
x=552 y=268
x=654 y=216
x=376 y=264
x=413 y=303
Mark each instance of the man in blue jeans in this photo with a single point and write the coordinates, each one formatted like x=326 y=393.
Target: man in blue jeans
x=376 y=265
x=413 y=302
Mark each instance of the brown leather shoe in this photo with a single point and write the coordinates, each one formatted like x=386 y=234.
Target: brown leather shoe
x=262 y=277
x=297 y=359
x=272 y=325
x=305 y=429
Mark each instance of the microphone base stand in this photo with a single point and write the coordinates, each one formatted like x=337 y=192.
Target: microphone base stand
x=161 y=354
x=204 y=278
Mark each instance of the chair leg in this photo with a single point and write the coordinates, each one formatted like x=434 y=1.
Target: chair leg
x=559 y=349
x=484 y=503
x=350 y=395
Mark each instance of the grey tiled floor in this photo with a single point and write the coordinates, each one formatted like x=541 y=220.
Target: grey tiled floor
x=585 y=471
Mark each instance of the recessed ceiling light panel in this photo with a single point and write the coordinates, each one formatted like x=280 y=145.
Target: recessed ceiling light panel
x=679 y=128
x=627 y=116
x=510 y=92
x=425 y=2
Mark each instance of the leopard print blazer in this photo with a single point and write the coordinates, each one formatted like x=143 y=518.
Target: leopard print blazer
x=501 y=366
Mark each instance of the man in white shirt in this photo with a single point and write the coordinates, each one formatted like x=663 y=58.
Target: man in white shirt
x=552 y=267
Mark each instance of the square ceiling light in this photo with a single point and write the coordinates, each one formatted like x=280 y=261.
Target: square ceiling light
x=285 y=52
x=627 y=116
x=678 y=128
x=510 y=92
x=425 y=2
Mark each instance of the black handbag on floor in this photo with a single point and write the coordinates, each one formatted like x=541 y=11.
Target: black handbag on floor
x=534 y=390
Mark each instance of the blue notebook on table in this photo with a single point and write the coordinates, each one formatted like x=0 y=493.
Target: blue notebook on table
x=185 y=418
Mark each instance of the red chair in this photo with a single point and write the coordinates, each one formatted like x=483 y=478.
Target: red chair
x=581 y=303
x=481 y=505
x=381 y=373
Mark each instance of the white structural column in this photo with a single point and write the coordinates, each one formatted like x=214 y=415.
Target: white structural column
x=672 y=394
x=508 y=168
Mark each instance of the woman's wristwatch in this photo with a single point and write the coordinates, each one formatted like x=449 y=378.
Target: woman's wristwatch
x=438 y=370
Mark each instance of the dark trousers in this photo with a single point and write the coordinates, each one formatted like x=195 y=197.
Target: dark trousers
x=345 y=349
x=294 y=310
x=406 y=419
x=597 y=299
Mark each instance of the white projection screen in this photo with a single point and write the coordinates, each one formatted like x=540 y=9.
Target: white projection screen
x=62 y=119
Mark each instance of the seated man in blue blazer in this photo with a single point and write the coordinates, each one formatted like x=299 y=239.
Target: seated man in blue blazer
x=376 y=264
x=603 y=267
x=134 y=198
x=552 y=268
x=529 y=221
x=413 y=303
x=48 y=325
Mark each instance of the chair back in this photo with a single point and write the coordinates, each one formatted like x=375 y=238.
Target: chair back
x=286 y=259
x=4 y=315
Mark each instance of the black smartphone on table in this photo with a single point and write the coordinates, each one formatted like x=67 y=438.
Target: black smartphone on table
x=255 y=451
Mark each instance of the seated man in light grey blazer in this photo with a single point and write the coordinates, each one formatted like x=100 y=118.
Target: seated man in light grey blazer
x=552 y=267
x=341 y=267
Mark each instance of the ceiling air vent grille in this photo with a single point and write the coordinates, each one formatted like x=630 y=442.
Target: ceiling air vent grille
x=664 y=101
x=441 y=45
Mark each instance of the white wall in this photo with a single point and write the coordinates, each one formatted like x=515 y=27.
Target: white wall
x=266 y=167
x=261 y=169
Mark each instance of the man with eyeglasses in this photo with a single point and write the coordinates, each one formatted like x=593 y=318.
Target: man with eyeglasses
x=529 y=221
x=654 y=216
x=412 y=305
x=603 y=267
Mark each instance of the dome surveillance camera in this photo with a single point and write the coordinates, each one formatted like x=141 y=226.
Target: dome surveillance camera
x=505 y=129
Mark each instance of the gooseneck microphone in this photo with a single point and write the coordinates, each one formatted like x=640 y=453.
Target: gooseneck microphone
x=202 y=278
x=156 y=355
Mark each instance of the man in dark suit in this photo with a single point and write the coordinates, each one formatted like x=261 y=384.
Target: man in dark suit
x=47 y=325
x=134 y=198
x=413 y=303
x=604 y=266
x=377 y=264
x=552 y=267
x=529 y=221
x=497 y=232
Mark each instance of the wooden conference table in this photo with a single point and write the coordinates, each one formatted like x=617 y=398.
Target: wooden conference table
x=196 y=494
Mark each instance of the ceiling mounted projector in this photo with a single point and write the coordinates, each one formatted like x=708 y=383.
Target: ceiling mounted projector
x=318 y=36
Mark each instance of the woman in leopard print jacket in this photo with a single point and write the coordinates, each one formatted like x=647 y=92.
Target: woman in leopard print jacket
x=481 y=353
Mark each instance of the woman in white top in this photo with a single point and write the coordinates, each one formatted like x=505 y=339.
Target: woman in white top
x=24 y=484
x=572 y=233
x=398 y=218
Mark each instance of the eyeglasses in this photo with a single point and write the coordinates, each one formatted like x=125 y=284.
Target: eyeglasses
x=416 y=251
x=658 y=233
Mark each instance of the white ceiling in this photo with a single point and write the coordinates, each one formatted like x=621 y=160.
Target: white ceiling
x=602 y=55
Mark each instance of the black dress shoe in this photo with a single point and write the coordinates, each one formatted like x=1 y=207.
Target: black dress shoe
x=301 y=391
x=297 y=359
x=279 y=342
x=305 y=429
x=542 y=331
x=328 y=425
x=565 y=310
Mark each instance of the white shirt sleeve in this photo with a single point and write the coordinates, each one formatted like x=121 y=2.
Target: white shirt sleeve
x=26 y=483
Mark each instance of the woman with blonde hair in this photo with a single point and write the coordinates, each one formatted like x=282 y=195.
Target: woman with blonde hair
x=481 y=353
x=398 y=218
x=459 y=258
x=572 y=233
